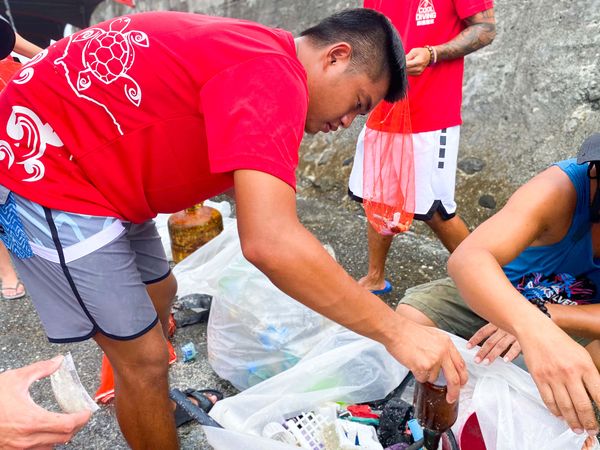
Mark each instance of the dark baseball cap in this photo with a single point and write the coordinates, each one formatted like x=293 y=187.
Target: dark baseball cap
x=7 y=38
x=589 y=150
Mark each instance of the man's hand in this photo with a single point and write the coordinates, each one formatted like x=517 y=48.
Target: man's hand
x=424 y=351
x=417 y=60
x=497 y=342
x=23 y=424
x=565 y=376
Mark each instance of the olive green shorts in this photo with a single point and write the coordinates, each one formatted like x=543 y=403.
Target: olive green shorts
x=440 y=301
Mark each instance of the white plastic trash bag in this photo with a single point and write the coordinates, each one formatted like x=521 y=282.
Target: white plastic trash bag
x=509 y=408
x=343 y=367
x=348 y=367
x=255 y=331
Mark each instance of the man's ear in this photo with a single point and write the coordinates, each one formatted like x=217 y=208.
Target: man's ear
x=340 y=54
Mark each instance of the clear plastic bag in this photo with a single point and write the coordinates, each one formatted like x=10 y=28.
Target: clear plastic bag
x=348 y=367
x=343 y=367
x=255 y=331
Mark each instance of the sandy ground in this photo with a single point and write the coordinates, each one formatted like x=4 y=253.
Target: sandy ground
x=415 y=258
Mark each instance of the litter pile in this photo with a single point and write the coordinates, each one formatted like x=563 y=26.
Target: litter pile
x=389 y=423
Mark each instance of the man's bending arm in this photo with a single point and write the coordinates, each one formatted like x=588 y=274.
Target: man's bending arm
x=274 y=240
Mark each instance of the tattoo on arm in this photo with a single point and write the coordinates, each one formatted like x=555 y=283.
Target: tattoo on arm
x=480 y=31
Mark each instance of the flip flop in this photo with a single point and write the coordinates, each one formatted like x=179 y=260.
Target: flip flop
x=186 y=410
x=386 y=289
x=16 y=288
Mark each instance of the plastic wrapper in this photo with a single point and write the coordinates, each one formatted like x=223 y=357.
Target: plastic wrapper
x=388 y=168
x=68 y=390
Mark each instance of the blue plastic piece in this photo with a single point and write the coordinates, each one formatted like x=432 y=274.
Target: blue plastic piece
x=189 y=352
x=415 y=429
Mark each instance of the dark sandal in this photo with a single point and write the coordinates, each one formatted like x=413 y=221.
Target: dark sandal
x=182 y=416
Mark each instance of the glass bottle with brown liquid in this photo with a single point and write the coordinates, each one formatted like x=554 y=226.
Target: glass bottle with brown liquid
x=191 y=228
x=433 y=412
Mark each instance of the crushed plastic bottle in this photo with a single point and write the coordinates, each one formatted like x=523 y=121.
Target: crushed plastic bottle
x=189 y=352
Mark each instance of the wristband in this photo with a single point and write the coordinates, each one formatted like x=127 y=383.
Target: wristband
x=540 y=303
x=432 y=55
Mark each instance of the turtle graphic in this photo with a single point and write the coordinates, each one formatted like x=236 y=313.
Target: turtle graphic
x=107 y=56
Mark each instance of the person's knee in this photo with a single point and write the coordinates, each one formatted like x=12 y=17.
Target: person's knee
x=148 y=369
x=412 y=313
x=143 y=360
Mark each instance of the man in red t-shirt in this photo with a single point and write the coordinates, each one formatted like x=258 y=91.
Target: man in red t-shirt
x=153 y=113
x=438 y=34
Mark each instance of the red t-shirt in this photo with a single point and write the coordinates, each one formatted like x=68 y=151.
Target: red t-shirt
x=436 y=95
x=152 y=113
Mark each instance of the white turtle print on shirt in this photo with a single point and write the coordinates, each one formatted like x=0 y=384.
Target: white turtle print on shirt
x=107 y=56
x=26 y=128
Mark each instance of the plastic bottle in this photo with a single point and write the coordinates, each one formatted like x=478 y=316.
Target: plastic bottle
x=191 y=228
x=432 y=410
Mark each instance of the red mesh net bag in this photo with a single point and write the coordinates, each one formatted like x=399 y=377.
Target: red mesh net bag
x=388 y=168
x=8 y=67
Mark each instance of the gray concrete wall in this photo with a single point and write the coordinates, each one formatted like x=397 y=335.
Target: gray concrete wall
x=529 y=99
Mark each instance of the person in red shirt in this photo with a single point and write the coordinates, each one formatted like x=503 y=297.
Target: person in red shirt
x=152 y=113
x=438 y=34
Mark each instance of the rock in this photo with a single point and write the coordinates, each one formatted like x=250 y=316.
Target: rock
x=348 y=161
x=325 y=157
x=487 y=201
x=471 y=165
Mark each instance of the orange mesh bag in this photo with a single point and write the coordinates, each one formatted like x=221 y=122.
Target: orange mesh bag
x=388 y=168
x=8 y=67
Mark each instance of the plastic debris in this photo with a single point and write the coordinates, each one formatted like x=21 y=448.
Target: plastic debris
x=344 y=435
x=278 y=432
x=68 y=390
x=188 y=352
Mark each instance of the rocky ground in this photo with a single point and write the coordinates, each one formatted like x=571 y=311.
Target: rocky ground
x=415 y=258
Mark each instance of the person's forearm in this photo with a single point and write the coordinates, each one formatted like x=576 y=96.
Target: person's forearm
x=486 y=289
x=25 y=48
x=297 y=263
x=579 y=320
x=472 y=38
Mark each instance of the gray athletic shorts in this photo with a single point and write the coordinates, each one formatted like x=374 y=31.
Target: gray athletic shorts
x=89 y=274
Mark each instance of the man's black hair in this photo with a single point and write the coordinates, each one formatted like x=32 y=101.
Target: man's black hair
x=376 y=47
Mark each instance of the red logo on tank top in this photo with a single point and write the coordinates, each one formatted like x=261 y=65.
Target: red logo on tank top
x=425 y=13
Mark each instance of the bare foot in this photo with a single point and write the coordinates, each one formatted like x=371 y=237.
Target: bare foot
x=371 y=283
x=211 y=397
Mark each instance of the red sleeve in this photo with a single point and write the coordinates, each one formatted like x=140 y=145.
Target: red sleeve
x=371 y=4
x=254 y=114
x=468 y=8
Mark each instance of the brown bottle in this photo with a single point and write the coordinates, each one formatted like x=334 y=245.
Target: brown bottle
x=192 y=228
x=433 y=412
